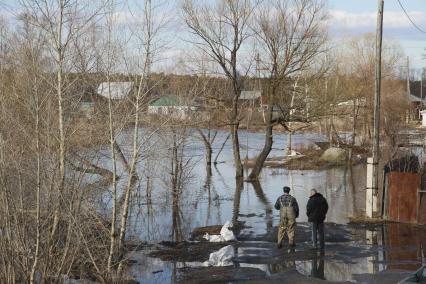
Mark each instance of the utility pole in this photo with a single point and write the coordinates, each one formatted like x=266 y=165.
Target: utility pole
x=373 y=162
x=421 y=83
x=408 y=77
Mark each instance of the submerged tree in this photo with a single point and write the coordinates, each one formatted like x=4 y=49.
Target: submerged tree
x=291 y=40
x=221 y=30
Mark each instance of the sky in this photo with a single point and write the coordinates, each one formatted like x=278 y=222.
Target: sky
x=354 y=17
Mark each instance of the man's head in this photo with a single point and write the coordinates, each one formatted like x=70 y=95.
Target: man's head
x=313 y=191
x=286 y=189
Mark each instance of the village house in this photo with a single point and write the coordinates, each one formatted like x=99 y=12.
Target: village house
x=417 y=100
x=251 y=99
x=173 y=106
x=117 y=90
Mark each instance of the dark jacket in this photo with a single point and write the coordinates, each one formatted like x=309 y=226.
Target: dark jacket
x=287 y=200
x=317 y=208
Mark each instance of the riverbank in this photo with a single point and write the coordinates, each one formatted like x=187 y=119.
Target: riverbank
x=312 y=158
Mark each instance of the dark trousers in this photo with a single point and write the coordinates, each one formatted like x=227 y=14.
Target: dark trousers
x=318 y=229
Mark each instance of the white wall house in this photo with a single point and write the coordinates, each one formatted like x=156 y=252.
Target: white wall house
x=173 y=107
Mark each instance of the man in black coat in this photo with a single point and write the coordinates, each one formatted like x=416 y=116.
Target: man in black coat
x=316 y=209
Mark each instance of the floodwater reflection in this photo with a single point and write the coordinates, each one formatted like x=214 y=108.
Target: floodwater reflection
x=389 y=247
x=317 y=270
x=212 y=199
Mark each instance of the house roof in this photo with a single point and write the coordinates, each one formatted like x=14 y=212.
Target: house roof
x=250 y=95
x=118 y=90
x=414 y=98
x=165 y=101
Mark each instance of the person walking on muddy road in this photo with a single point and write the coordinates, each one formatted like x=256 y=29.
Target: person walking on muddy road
x=316 y=209
x=289 y=211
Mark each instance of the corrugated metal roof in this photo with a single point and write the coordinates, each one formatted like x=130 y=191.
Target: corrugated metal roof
x=171 y=100
x=119 y=90
x=164 y=101
x=250 y=95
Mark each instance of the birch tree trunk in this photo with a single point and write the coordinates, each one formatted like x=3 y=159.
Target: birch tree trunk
x=141 y=92
x=113 y=235
x=59 y=90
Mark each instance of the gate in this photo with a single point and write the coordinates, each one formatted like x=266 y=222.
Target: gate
x=404 y=197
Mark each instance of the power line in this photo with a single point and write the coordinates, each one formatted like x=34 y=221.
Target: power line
x=409 y=18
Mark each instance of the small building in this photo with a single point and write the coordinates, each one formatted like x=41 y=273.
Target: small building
x=251 y=98
x=417 y=104
x=423 y=114
x=117 y=90
x=173 y=107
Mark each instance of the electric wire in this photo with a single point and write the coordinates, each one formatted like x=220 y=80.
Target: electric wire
x=409 y=18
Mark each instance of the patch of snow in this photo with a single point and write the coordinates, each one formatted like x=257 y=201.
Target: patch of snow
x=226 y=234
x=222 y=257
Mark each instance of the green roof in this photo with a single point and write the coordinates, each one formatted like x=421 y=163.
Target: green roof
x=164 y=101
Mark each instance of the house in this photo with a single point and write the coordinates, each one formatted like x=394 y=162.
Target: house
x=423 y=114
x=417 y=104
x=251 y=98
x=417 y=99
x=173 y=107
x=117 y=90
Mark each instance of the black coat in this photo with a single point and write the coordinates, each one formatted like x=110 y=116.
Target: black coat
x=317 y=208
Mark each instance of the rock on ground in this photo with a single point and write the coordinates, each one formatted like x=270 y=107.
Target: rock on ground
x=334 y=155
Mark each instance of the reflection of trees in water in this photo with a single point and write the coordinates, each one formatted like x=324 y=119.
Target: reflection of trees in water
x=176 y=221
x=177 y=168
x=352 y=186
x=265 y=201
x=208 y=187
x=259 y=194
x=239 y=185
x=317 y=268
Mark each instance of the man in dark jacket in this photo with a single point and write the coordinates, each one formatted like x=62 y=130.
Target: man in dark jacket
x=316 y=209
x=289 y=211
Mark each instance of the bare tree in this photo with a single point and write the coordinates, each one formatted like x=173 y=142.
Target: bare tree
x=291 y=40
x=109 y=64
x=147 y=35
x=220 y=30
x=60 y=20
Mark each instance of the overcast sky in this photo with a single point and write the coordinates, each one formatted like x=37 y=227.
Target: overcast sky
x=354 y=17
x=350 y=17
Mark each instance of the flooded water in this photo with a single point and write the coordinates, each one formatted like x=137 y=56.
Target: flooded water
x=213 y=200
x=159 y=214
